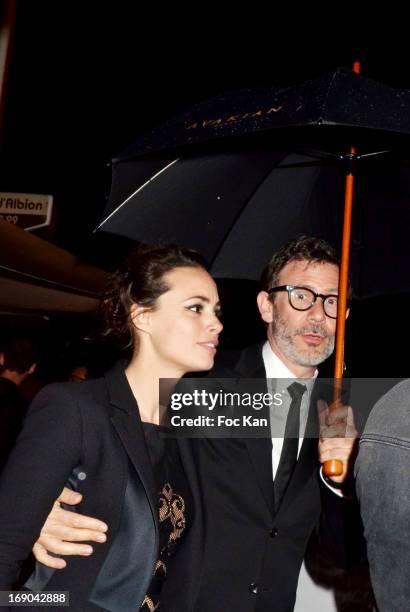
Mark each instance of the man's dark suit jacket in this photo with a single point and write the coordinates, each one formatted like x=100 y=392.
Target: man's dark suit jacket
x=253 y=554
x=90 y=433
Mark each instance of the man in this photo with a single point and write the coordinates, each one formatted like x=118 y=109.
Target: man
x=257 y=531
x=254 y=553
x=383 y=487
x=17 y=362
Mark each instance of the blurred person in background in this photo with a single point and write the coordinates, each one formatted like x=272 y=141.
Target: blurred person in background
x=18 y=361
x=80 y=372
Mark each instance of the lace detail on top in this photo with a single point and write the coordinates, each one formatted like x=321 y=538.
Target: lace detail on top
x=173 y=503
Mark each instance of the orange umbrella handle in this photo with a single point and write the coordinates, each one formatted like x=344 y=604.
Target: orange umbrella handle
x=335 y=467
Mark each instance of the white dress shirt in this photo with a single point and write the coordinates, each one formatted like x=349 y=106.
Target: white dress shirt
x=278 y=374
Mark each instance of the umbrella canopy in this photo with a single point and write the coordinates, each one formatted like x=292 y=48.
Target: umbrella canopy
x=219 y=178
x=341 y=99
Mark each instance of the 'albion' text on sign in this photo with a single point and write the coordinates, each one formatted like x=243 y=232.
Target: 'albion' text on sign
x=27 y=210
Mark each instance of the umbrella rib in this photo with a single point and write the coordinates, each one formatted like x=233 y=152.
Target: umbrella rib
x=135 y=192
x=331 y=159
x=321 y=155
x=374 y=153
x=310 y=164
x=326 y=96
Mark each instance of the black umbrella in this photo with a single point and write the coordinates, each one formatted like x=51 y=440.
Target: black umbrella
x=239 y=175
x=341 y=99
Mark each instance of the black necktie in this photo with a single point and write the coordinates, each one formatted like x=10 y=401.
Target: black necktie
x=289 y=454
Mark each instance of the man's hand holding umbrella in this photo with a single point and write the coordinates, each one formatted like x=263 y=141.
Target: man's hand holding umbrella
x=337 y=438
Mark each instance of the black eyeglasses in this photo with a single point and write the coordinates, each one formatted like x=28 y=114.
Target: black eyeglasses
x=302 y=298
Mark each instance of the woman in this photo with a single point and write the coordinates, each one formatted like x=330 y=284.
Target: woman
x=102 y=437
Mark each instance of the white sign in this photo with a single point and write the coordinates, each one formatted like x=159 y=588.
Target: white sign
x=27 y=210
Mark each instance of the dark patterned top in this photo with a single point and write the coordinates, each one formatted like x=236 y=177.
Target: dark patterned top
x=174 y=506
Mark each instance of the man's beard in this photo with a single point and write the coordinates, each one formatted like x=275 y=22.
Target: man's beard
x=285 y=340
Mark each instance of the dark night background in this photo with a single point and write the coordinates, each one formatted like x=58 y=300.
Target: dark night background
x=86 y=80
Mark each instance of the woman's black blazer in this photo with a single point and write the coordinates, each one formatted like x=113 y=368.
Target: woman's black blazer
x=90 y=434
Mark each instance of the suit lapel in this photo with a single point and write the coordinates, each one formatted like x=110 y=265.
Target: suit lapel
x=250 y=365
x=307 y=463
x=126 y=420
